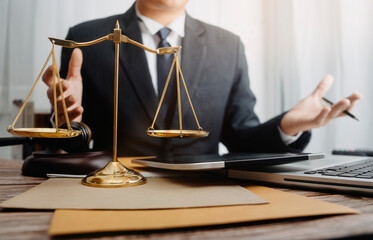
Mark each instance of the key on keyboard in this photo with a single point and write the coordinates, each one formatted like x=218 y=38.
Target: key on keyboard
x=361 y=169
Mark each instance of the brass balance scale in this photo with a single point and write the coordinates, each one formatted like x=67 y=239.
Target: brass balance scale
x=114 y=174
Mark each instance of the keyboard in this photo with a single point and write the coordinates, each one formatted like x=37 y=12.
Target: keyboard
x=360 y=169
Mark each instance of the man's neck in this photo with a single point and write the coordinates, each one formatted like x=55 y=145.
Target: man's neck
x=162 y=16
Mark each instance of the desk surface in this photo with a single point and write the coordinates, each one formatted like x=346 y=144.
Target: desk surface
x=23 y=224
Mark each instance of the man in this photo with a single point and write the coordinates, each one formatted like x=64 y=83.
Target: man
x=216 y=76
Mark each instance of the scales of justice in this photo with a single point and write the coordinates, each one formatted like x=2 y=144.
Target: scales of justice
x=114 y=174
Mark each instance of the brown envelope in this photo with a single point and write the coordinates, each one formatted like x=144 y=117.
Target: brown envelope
x=282 y=205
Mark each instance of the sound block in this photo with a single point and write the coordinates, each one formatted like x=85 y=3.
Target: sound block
x=38 y=164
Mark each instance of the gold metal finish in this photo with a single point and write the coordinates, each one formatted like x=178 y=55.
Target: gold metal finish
x=73 y=44
x=176 y=133
x=110 y=37
x=46 y=132
x=55 y=70
x=168 y=50
x=116 y=40
x=160 y=51
x=114 y=174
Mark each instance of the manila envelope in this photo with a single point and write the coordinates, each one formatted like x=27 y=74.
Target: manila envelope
x=281 y=205
x=157 y=193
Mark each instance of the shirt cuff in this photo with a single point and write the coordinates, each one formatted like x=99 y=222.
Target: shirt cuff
x=288 y=139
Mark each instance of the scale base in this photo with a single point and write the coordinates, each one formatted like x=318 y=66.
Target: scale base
x=114 y=174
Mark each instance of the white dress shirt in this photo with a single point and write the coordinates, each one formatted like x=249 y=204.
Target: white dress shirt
x=150 y=38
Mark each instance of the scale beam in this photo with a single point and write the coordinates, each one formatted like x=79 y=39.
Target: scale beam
x=73 y=44
x=110 y=37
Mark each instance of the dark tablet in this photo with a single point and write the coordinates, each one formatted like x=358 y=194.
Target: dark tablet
x=226 y=161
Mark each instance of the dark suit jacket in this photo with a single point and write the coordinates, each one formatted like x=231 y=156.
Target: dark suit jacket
x=215 y=70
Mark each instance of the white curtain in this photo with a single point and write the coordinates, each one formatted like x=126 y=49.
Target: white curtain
x=24 y=46
x=290 y=46
x=307 y=40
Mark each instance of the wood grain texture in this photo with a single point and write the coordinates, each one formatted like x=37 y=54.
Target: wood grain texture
x=21 y=224
x=7 y=163
x=9 y=191
x=11 y=174
x=24 y=225
x=14 y=177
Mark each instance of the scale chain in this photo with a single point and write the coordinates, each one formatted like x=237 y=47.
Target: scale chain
x=32 y=89
x=164 y=91
x=178 y=99
x=61 y=91
x=186 y=90
x=178 y=74
x=54 y=93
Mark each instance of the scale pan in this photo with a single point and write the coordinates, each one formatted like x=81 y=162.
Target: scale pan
x=44 y=132
x=177 y=133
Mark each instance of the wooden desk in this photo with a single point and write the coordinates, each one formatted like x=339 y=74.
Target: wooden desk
x=22 y=224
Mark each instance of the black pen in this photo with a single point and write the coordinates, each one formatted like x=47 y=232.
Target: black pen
x=345 y=111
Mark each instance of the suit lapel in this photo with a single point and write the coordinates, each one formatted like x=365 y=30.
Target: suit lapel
x=193 y=57
x=133 y=60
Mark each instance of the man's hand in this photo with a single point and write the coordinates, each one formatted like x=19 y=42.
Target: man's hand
x=72 y=89
x=311 y=112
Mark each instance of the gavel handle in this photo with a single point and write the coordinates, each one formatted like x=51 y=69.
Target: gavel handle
x=8 y=141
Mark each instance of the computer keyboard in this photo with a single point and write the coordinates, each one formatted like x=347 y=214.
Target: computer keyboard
x=361 y=169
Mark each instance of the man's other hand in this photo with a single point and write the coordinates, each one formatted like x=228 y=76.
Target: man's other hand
x=311 y=112
x=72 y=89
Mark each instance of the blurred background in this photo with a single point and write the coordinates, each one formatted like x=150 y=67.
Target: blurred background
x=290 y=46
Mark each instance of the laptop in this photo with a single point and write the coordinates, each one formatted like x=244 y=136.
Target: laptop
x=226 y=161
x=334 y=172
